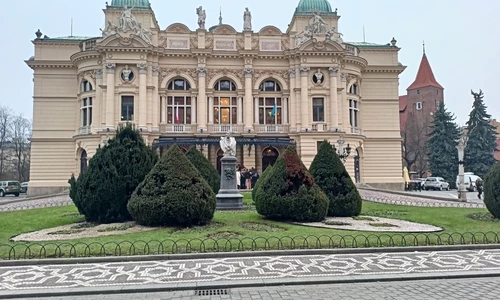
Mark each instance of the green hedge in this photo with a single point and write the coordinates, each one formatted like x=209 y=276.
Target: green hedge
x=492 y=191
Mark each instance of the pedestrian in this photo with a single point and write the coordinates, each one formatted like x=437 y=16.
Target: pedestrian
x=248 y=178
x=479 y=187
x=238 y=176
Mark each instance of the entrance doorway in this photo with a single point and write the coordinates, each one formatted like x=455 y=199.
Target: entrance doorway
x=220 y=154
x=269 y=157
x=357 y=168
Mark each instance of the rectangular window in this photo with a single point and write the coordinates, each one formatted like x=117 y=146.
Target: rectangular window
x=353 y=113
x=318 y=110
x=225 y=110
x=127 y=108
x=86 y=112
x=270 y=111
x=179 y=110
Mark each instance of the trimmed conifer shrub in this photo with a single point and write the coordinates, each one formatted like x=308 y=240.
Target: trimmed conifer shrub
x=174 y=194
x=262 y=177
x=207 y=170
x=331 y=176
x=289 y=192
x=102 y=192
x=492 y=191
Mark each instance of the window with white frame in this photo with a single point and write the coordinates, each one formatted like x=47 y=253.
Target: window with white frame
x=318 y=105
x=127 y=108
x=179 y=107
x=354 y=113
x=86 y=86
x=86 y=111
x=225 y=103
x=419 y=106
x=354 y=89
x=270 y=106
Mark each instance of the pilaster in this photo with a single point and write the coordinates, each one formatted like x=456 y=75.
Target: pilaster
x=202 y=98
x=248 y=98
x=143 y=101
x=334 y=110
x=110 y=95
x=304 y=96
x=292 y=103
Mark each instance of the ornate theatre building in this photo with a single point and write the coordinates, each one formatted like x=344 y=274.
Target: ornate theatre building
x=270 y=88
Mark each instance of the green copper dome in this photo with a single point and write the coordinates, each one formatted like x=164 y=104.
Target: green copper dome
x=306 y=6
x=139 y=4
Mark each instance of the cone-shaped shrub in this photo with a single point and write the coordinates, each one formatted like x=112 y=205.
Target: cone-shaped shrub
x=173 y=193
x=289 y=192
x=207 y=170
x=262 y=178
x=331 y=176
x=102 y=192
x=492 y=191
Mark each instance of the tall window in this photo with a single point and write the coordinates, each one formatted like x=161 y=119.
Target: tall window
x=86 y=104
x=179 y=107
x=354 y=89
x=318 y=109
x=225 y=104
x=270 y=106
x=354 y=113
x=127 y=108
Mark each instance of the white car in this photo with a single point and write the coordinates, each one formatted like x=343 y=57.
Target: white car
x=436 y=183
x=469 y=181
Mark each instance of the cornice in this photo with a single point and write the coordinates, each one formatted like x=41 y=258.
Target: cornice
x=385 y=69
x=357 y=60
x=49 y=64
x=86 y=55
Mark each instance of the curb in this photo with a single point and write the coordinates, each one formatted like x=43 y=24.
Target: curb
x=31 y=198
x=152 y=288
x=412 y=195
x=191 y=256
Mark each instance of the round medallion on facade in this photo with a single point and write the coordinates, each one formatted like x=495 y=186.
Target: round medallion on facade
x=318 y=78
x=127 y=75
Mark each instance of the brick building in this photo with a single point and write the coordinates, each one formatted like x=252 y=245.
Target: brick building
x=416 y=110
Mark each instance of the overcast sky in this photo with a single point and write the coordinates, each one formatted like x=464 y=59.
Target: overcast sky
x=461 y=37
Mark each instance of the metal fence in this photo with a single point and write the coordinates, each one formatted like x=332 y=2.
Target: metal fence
x=183 y=246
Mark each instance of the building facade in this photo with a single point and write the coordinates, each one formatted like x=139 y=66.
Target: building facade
x=270 y=88
x=416 y=110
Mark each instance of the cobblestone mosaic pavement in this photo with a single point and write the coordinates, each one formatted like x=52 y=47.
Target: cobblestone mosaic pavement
x=249 y=268
x=396 y=199
x=63 y=200
x=452 y=289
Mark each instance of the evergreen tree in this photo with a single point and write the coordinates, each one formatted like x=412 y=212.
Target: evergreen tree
x=206 y=169
x=443 y=154
x=174 y=193
x=331 y=176
x=288 y=192
x=479 y=152
x=102 y=192
x=492 y=191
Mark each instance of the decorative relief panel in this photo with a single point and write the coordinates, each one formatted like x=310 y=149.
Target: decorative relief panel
x=209 y=43
x=90 y=74
x=240 y=43
x=258 y=74
x=255 y=43
x=178 y=43
x=194 y=42
x=225 y=45
x=211 y=73
x=192 y=72
x=270 y=45
x=285 y=43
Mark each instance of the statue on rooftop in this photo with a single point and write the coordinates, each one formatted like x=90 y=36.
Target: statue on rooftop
x=127 y=20
x=247 y=20
x=201 y=17
x=317 y=24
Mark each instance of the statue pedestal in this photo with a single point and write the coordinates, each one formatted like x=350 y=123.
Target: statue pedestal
x=229 y=198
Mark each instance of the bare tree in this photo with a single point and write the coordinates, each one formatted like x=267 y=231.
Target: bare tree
x=414 y=144
x=5 y=135
x=21 y=135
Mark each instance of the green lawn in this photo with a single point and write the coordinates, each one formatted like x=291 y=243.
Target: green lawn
x=238 y=231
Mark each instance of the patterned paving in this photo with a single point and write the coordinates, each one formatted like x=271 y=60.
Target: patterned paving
x=225 y=269
x=38 y=203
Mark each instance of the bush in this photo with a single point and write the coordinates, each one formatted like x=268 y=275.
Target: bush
x=492 y=191
x=207 y=170
x=262 y=177
x=331 y=176
x=288 y=192
x=102 y=192
x=173 y=193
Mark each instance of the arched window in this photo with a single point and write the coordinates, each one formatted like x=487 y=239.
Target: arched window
x=85 y=107
x=225 y=103
x=270 y=103
x=179 y=102
x=86 y=86
x=269 y=157
x=83 y=161
x=354 y=89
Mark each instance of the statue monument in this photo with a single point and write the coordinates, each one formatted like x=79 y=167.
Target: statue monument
x=229 y=198
x=201 y=17
x=247 y=20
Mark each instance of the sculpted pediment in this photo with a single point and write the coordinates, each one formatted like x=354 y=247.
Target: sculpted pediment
x=178 y=28
x=128 y=41
x=225 y=30
x=321 y=45
x=270 y=30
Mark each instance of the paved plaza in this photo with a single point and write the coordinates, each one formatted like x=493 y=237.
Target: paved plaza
x=452 y=289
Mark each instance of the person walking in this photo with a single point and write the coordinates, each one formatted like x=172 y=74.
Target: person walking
x=479 y=187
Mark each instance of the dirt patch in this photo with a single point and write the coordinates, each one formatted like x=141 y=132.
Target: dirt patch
x=337 y=223
x=255 y=226
x=382 y=225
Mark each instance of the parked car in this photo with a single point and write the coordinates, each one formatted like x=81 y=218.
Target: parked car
x=10 y=188
x=416 y=184
x=436 y=183
x=24 y=187
x=469 y=181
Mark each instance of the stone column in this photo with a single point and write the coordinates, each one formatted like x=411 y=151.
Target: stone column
x=248 y=99
x=193 y=109
x=344 y=104
x=97 y=102
x=256 y=110
x=163 y=109
x=156 y=111
x=142 y=113
x=202 y=98
x=110 y=95
x=284 y=118
x=304 y=96
x=292 y=101
x=210 y=109
x=334 y=109
x=240 y=110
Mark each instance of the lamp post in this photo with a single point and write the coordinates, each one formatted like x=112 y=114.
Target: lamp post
x=462 y=193
x=343 y=153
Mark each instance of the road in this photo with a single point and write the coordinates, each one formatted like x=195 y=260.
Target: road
x=453 y=194
x=452 y=289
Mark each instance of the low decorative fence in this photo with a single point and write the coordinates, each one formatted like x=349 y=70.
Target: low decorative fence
x=183 y=246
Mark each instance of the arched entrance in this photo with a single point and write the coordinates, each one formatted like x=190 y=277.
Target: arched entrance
x=357 y=167
x=220 y=154
x=269 y=157
x=83 y=161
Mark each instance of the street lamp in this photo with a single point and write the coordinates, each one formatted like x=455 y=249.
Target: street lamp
x=462 y=193
x=343 y=153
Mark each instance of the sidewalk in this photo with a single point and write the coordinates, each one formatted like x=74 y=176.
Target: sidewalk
x=22 y=281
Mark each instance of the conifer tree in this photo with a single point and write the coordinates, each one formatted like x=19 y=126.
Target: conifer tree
x=442 y=143
x=331 y=176
x=479 y=152
x=492 y=191
x=206 y=169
